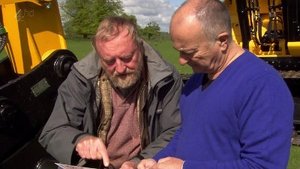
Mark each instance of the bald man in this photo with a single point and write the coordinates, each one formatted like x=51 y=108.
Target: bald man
x=236 y=110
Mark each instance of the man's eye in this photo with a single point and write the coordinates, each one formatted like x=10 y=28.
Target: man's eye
x=187 y=54
x=127 y=59
x=109 y=62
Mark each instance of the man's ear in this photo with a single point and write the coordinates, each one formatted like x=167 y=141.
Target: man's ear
x=140 y=44
x=223 y=40
x=140 y=41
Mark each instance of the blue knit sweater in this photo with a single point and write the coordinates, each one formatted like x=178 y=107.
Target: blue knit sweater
x=242 y=120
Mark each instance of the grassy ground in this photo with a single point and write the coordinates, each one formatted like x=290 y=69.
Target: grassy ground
x=294 y=162
x=81 y=47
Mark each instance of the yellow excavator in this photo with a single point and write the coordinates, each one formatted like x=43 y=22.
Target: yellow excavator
x=36 y=64
x=38 y=61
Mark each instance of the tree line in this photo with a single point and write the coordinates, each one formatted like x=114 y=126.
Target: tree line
x=82 y=17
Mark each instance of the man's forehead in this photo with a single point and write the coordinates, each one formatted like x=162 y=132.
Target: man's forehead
x=186 y=40
x=121 y=40
x=118 y=48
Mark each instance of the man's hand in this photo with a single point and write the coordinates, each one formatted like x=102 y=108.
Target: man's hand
x=146 y=164
x=128 y=165
x=165 y=163
x=169 y=163
x=91 y=147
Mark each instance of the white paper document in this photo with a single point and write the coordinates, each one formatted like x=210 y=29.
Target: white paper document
x=66 y=166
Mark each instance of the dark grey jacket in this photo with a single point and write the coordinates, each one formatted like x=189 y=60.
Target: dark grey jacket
x=77 y=107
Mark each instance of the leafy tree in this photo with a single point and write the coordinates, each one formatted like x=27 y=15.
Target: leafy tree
x=82 y=17
x=151 y=30
x=131 y=18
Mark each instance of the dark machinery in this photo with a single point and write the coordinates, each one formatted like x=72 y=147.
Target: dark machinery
x=37 y=62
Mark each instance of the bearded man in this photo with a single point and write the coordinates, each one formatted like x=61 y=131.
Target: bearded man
x=119 y=104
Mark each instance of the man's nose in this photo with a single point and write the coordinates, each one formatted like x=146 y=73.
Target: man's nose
x=182 y=60
x=120 y=67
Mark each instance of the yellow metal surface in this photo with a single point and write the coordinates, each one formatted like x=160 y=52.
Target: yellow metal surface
x=262 y=14
x=294 y=48
x=236 y=32
x=33 y=30
x=38 y=2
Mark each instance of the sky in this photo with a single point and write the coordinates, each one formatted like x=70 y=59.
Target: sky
x=159 y=11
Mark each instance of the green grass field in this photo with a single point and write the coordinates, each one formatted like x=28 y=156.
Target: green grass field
x=294 y=162
x=81 y=47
